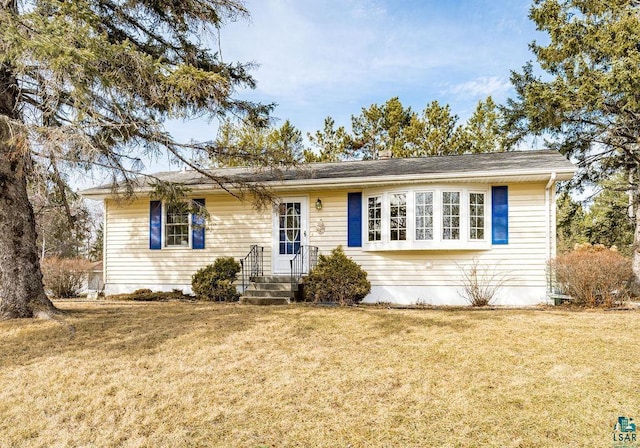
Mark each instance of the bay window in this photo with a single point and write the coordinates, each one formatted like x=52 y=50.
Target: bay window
x=439 y=218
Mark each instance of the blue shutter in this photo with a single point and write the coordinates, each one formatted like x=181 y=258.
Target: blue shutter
x=500 y=215
x=197 y=227
x=155 y=225
x=354 y=219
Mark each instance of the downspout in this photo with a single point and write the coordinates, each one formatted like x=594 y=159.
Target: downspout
x=104 y=247
x=548 y=223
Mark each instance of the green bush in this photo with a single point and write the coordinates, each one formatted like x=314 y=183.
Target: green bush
x=215 y=281
x=336 y=278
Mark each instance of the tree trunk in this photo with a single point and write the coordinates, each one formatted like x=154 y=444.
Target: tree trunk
x=636 y=237
x=21 y=289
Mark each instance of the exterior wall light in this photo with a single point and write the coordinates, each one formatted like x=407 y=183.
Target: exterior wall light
x=319 y=204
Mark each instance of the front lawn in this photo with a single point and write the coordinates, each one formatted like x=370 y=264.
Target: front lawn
x=204 y=374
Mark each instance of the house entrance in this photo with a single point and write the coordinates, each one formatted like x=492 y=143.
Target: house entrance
x=290 y=229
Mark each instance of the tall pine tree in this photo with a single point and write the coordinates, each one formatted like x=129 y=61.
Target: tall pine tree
x=588 y=103
x=90 y=83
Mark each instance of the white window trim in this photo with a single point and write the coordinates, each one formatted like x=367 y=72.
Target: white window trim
x=165 y=209
x=437 y=243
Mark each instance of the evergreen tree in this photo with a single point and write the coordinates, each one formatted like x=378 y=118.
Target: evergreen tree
x=331 y=143
x=588 y=104
x=379 y=130
x=435 y=133
x=570 y=223
x=90 y=83
x=482 y=130
x=244 y=144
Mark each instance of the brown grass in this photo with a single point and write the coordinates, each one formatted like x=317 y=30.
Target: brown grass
x=203 y=374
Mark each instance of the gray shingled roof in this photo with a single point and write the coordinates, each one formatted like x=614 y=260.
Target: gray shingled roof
x=496 y=164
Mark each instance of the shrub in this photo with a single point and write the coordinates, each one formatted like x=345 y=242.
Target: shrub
x=336 y=278
x=64 y=277
x=146 y=295
x=480 y=284
x=142 y=291
x=593 y=275
x=215 y=281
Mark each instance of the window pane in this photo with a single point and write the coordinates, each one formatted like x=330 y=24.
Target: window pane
x=451 y=215
x=177 y=225
x=398 y=215
x=476 y=216
x=289 y=227
x=424 y=216
x=374 y=218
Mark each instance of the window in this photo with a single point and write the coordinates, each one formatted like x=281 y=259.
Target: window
x=398 y=216
x=433 y=217
x=476 y=216
x=177 y=226
x=374 y=218
x=424 y=216
x=451 y=215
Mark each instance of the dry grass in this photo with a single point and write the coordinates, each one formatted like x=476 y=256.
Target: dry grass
x=202 y=374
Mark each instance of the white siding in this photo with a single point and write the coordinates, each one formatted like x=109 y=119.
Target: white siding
x=427 y=275
x=130 y=264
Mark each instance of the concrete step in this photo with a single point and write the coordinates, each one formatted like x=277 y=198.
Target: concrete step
x=268 y=290
x=272 y=279
x=271 y=286
x=263 y=300
x=251 y=292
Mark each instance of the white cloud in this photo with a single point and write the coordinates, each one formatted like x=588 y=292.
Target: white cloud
x=482 y=87
x=336 y=56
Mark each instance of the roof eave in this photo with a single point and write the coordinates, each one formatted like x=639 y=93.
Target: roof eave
x=429 y=178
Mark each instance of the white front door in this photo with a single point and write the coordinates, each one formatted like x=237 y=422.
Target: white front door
x=290 y=229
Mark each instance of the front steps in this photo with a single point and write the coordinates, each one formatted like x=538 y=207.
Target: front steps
x=268 y=290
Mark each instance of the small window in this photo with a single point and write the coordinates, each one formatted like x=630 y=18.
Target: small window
x=424 y=216
x=374 y=218
x=451 y=215
x=398 y=216
x=476 y=216
x=290 y=227
x=177 y=226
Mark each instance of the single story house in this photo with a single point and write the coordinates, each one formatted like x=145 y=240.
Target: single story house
x=415 y=225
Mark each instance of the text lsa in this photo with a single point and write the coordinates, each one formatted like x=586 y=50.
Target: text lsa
x=624 y=437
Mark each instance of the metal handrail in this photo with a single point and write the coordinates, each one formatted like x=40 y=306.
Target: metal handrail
x=304 y=260
x=252 y=265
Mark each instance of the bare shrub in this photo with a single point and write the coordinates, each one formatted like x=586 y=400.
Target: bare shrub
x=593 y=275
x=64 y=277
x=480 y=283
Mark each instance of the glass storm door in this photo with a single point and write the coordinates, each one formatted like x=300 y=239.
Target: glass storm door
x=290 y=232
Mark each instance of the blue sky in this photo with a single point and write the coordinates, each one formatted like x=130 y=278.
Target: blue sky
x=333 y=57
